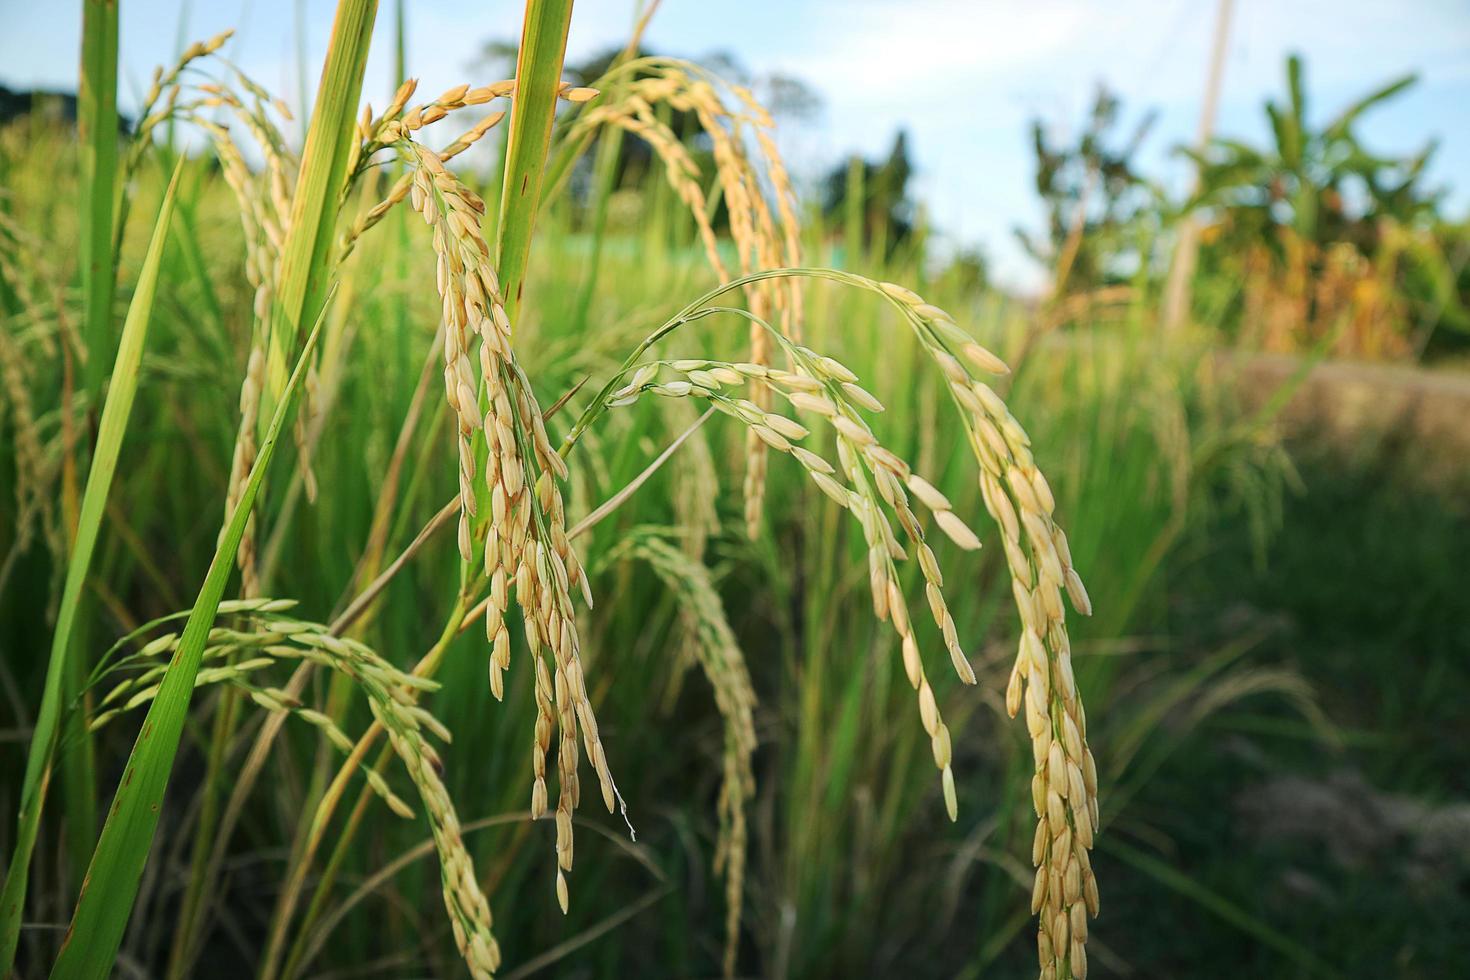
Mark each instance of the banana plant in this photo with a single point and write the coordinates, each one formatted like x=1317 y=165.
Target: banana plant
x=1313 y=187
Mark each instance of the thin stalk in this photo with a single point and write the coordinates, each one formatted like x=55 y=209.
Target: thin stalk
x=404 y=333
x=335 y=347
x=388 y=499
x=303 y=99
x=609 y=151
x=1186 y=252
x=400 y=45
x=373 y=589
x=852 y=213
x=609 y=148
x=97 y=136
x=186 y=927
x=298 y=956
x=883 y=192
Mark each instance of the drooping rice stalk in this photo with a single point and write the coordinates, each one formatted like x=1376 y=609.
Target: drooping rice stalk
x=762 y=239
x=877 y=478
x=278 y=639
x=1017 y=496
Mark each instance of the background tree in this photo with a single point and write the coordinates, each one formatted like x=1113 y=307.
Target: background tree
x=1328 y=237
x=1095 y=199
x=871 y=199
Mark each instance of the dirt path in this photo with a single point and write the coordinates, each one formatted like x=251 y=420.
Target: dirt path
x=1363 y=406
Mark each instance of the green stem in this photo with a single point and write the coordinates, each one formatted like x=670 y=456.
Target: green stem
x=323 y=891
x=609 y=148
x=186 y=929
x=97 y=135
x=853 y=211
x=97 y=125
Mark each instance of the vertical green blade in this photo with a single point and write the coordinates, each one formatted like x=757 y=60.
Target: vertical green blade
x=115 y=412
x=97 y=138
x=112 y=881
x=97 y=135
x=538 y=76
x=306 y=256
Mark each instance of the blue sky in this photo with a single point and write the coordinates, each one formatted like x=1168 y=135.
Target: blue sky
x=963 y=77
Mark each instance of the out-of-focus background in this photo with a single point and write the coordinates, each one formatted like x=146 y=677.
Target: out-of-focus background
x=1223 y=244
x=960 y=84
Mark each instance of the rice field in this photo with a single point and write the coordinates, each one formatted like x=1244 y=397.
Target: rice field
x=371 y=495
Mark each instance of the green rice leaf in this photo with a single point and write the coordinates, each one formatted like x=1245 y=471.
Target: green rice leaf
x=97 y=136
x=538 y=76
x=306 y=259
x=113 y=426
x=112 y=881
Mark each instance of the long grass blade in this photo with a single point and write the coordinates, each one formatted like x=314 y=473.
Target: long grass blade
x=112 y=881
x=307 y=254
x=113 y=426
x=97 y=135
x=538 y=76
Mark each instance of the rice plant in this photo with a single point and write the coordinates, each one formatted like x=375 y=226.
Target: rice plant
x=296 y=670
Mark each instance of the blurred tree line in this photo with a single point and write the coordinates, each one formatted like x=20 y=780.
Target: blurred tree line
x=1101 y=213
x=1309 y=240
x=1333 y=243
